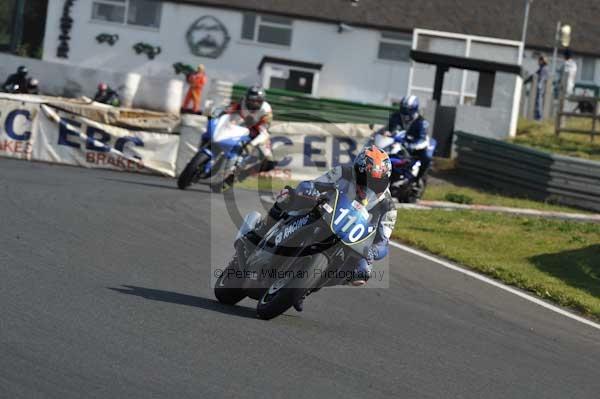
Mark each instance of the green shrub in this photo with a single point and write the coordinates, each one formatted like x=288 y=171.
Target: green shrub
x=458 y=198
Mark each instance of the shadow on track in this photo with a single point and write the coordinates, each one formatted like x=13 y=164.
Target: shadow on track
x=188 y=300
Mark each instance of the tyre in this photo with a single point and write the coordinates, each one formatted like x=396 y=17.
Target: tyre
x=227 y=287
x=284 y=292
x=223 y=178
x=191 y=170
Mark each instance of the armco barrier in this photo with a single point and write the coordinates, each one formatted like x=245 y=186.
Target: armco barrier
x=526 y=171
x=297 y=107
x=42 y=129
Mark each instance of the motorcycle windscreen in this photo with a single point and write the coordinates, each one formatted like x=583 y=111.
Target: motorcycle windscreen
x=351 y=221
x=383 y=142
x=228 y=133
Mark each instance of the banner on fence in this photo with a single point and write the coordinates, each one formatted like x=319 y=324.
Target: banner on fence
x=16 y=126
x=40 y=131
x=74 y=140
x=303 y=150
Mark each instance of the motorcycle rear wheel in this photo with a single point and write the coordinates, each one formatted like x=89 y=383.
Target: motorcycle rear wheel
x=227 y=288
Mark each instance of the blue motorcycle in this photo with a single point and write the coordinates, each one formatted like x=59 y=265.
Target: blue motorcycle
x=220 y=157
x=404 y=184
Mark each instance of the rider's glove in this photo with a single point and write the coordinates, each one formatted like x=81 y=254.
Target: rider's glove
x=308 y=190
x=283 y=195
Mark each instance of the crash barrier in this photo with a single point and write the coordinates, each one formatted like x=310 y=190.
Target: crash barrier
x=35 y=130
x=529 y=172
x=41 y=132
x=135 y=90
x=297 y=107
x=303 y=150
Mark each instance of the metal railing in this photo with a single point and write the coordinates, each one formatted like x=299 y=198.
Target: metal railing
x=589 y=112
x=528 y=172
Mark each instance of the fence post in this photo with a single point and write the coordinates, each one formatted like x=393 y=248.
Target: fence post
x=595 y=117
x=548 y=99
x=561 y=105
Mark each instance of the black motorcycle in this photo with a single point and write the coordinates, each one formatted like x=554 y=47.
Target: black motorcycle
x=304 y=252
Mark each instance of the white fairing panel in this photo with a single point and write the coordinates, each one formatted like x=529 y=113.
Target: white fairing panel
x=227 y=129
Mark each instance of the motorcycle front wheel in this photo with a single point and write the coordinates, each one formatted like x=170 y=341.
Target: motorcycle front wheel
x=191 y=170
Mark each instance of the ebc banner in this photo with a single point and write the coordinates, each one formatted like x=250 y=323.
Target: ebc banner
x=71 y=139
x=16 y=126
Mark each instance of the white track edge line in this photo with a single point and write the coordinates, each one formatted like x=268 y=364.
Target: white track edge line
x=497 y=284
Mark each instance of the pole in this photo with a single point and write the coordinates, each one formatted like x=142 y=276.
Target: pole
x=555 y=53
x=526 y=21
x=553 y=71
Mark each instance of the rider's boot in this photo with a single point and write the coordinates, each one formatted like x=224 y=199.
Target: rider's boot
x=299 y=304
x=267 y=165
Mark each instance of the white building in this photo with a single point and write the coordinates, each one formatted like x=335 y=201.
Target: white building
x=350 y=49
x=324 y=59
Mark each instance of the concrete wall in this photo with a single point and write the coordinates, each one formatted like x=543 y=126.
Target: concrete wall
x=59 y=79
x=351 y=68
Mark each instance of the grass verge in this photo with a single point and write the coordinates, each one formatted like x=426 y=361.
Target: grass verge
x=541 y=135
x=556 y=260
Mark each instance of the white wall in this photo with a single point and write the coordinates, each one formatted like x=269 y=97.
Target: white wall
x=62 y=80
x=351 y=69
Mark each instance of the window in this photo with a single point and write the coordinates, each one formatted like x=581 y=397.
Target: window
x=394 y=47
x=139 y=12
x=267 y=29
x=588 y=69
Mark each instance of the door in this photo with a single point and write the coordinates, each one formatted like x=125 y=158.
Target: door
x=300 y=81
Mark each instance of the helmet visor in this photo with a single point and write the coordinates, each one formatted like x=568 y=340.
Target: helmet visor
x=254 y=104
x=378 y=185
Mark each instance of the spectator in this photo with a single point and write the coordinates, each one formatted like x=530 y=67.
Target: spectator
x=106 y=95
x=196 y=80
x=569 y=72
x=540 y=92
x=17 y=82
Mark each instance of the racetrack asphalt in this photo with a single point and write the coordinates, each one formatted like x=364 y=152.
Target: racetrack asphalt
x=104 y=293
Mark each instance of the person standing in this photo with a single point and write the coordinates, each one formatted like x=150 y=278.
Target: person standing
x=196 y=80
x=569 y=72
x=540 y=93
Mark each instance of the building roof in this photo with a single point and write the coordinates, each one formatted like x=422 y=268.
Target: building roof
x=503 y=19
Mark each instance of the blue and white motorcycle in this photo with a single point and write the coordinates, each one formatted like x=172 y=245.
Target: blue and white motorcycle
x=300 y=254
x=404 y=185
x=223 y=153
